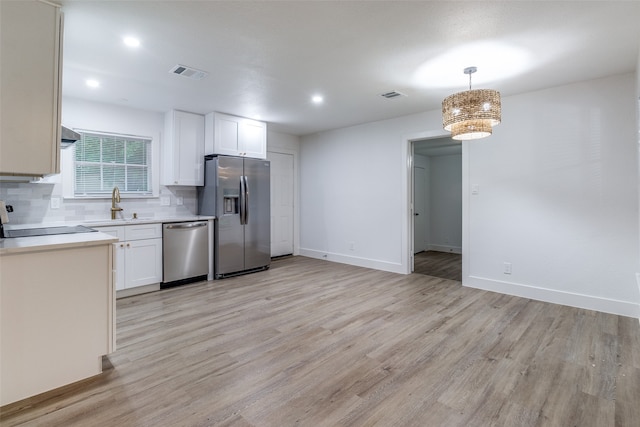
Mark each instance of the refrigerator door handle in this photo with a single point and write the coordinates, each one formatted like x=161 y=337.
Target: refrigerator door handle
x=243 y=206
x=246 y=200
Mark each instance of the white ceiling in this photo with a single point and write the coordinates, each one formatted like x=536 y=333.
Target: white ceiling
x=268 y=58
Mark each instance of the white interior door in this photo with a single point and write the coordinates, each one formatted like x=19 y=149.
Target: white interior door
x=419 y=209
x=281 y=203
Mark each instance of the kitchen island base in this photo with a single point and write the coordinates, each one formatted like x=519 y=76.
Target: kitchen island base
x=57 y=317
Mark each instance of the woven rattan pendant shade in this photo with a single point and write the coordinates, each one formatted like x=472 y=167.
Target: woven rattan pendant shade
x=473 y=113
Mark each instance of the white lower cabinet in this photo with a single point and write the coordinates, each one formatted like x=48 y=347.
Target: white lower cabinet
x=143 y=262
x=138 y=254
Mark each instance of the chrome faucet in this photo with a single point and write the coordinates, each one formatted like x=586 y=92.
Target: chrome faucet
x=115 y=198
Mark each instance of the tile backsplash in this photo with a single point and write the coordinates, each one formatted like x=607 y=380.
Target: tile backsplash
x=32 y=204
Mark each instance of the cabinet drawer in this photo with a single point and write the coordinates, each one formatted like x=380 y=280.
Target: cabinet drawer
x=115 y=231
x=142 y=231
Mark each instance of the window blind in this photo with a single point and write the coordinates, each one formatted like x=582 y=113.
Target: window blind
x=104 y=161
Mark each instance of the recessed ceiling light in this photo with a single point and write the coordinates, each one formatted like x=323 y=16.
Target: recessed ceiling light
x=92 y=83
x=317 y=99
x=131 y=41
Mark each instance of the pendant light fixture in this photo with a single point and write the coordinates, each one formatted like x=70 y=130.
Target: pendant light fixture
x=473 y=113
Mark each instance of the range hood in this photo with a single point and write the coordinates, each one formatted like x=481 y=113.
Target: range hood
x=68 y=137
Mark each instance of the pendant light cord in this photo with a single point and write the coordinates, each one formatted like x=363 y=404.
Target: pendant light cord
x=470 y=70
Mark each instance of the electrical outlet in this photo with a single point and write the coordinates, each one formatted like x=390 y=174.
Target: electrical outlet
x=507 y=268
x=179 y=201
x=165 y=201
x=55 y=203
x=352 y=246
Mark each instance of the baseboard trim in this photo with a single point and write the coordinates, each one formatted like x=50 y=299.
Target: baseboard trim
x=352 y=260
x=129 y=292
x=638 y=283
x=443 y=248
x=571 y=299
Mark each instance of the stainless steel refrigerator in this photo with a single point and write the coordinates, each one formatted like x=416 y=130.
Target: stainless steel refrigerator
x=237 y=192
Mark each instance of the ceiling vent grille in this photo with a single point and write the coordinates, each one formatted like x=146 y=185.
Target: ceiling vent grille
x=392 y=94
x=188 y=72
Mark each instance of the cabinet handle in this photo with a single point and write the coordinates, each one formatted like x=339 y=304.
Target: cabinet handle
x=122 y=245
x=128 y=245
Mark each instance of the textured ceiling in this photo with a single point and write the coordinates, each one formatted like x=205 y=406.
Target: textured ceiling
x=267 y=58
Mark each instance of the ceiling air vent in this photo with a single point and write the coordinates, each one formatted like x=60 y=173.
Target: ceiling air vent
x=191 y=73
x=392 y=94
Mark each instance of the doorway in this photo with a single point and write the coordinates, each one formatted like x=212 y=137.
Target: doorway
x=437 y=213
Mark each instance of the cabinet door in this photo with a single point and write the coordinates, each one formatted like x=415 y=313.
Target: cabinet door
x=184 y=149
x=253 y=139
x=226 y=135
x=30 y=54
x=143 y=262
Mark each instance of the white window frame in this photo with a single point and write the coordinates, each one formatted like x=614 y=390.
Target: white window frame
x=68 y=169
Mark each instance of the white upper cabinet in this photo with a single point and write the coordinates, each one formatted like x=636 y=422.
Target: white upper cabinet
x=31 y=58
x=235 y=136
x=183 y=149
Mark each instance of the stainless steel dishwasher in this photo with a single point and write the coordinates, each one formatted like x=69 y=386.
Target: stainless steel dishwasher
x=185 y=252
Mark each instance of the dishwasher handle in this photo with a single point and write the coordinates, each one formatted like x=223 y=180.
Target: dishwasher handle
x=186 y=225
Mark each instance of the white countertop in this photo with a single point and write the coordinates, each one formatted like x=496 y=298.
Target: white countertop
x=130 y=221
x=61 y=241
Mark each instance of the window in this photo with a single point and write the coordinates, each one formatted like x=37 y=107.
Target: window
x=104 y=161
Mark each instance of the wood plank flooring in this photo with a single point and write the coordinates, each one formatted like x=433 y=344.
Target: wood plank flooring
x=313 y=343
x=444 y=265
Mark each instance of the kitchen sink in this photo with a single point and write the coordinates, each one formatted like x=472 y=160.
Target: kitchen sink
x=47 y=231
x=108 y=221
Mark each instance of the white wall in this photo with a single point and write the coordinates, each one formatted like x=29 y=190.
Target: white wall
x=638 y=141
x=352 y=191
x=443 y=196
x=558 y=196
x=425 y=188
x=445 y=203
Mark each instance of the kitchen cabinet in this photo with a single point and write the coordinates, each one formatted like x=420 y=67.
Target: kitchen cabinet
x=31 y=58
x=235 y=136
x=138 y=254
x=57 y=315
x=183 y=149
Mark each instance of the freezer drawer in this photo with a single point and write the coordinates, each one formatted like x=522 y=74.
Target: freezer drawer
x=185 y=249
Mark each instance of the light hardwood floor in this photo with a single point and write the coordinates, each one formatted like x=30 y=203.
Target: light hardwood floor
x=438 y=264
x=313 y=343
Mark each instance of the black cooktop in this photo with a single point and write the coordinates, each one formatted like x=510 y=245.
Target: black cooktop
x=47 y=231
